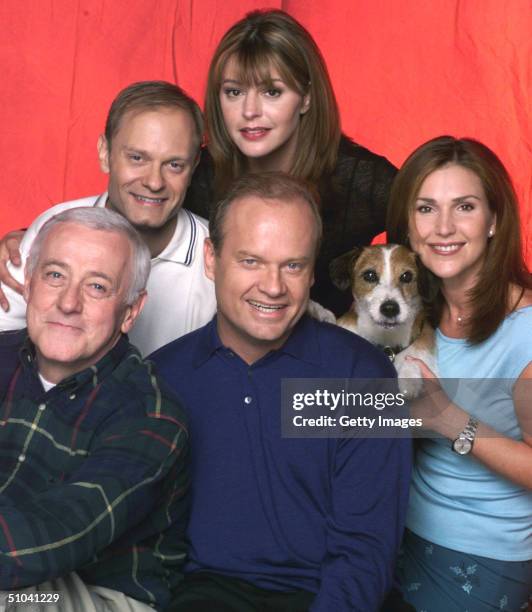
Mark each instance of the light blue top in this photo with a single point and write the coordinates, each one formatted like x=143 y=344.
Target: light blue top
x=455 y=501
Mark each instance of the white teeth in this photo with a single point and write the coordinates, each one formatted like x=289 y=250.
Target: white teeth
x=150 y=200
x=448 y=248
x=264 y=307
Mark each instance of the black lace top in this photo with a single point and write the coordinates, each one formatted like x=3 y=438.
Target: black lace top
x=353 y=204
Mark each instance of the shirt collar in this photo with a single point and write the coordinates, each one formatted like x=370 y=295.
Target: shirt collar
x=208 y=343
x=92 y=374
x=101 y=200
x=303 y=343
x=181 y=247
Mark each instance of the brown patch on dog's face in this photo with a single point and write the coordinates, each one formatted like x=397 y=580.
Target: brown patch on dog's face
x=405 y=271
x=377 y=275
x=367 y=271
x=384 y=285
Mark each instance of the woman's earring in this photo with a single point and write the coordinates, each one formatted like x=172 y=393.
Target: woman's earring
x=491 y=232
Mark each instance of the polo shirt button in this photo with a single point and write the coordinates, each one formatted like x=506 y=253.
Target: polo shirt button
x=42 y=406
x=72 y=396
x=22 y=458
x=248 y=399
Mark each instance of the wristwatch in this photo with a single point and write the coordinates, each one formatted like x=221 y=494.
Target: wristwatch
x=464 y=442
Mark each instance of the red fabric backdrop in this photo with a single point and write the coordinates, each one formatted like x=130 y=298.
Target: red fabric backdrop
x=403 y=72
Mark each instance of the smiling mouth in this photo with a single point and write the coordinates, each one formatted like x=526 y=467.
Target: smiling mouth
x=266 y=308
x=148 y=200
x=447 y=249
x=254 y=133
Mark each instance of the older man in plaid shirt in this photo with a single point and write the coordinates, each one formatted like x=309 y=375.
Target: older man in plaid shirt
x=93 y=469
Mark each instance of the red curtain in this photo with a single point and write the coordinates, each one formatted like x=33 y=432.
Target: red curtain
x=403 y=73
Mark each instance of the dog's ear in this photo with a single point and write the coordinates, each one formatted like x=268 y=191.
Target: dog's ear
x=341 y=268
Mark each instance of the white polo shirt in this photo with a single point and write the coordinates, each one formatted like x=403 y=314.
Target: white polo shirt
x=180 y=297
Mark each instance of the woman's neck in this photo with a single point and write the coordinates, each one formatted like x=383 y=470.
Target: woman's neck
x=456 y=311
x=269 y=163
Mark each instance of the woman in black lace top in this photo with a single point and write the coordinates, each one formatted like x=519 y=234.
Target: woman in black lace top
x=270 y=106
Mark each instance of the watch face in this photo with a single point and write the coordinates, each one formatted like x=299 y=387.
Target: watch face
x=462 y=445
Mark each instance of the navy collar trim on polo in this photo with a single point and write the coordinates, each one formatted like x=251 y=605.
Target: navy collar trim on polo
x=182 y=244
x=101 y=200
x=180 y=249
x=302 y=343
x=91 y=374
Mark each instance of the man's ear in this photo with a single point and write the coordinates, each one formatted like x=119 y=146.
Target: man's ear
x=209 y=259
x=103 y=153
x=132 y=312
x=27 y=282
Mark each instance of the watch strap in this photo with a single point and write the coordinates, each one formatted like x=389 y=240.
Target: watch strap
x=468 y=433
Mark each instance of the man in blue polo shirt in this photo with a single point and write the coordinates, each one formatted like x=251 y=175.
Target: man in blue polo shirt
x=278 y=523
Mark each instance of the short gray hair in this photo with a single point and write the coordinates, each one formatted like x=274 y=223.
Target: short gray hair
x=105 y=220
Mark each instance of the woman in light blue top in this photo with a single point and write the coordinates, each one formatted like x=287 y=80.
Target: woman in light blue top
x=468 y=545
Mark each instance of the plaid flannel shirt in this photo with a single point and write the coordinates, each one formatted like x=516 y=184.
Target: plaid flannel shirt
x=93 y=475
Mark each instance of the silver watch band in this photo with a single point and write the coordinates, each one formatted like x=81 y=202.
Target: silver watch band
x=470 y=430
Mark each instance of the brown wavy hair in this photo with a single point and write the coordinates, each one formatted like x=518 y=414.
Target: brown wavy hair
x=260 y=40
x=504 y=264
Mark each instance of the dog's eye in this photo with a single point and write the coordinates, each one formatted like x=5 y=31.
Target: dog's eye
x=406 y=277
x=370 y=276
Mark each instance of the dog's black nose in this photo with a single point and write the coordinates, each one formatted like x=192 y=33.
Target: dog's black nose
x=390 y=308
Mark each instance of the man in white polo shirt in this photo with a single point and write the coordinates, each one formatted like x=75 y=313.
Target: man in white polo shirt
x=149 y=150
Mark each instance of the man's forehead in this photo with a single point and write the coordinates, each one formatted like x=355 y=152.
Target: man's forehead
x=76 y=244
x=138 y=118
x=253 y=222
x=267 y=205
x=253 y=208
x=166 y=132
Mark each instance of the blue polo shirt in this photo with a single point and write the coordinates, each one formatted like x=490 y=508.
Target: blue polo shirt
x=323 y=515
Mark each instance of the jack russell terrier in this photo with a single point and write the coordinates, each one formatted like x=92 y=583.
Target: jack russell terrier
x=387 y=309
